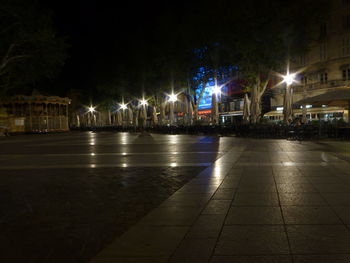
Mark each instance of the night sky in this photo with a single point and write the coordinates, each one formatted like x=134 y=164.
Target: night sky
x=104 y=37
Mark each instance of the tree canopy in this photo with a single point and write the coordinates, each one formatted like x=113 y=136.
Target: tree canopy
x=30 y=51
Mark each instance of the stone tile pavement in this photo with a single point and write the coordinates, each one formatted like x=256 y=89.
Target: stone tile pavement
x=268 y=202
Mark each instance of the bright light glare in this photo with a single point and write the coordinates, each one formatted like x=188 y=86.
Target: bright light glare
x=143 y=102
x=91 y=109
x=217 y=90
x=123 y=106
x=289 y=79
x=172 y=97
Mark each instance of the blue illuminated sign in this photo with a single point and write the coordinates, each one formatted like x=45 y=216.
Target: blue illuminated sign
x=205 y=102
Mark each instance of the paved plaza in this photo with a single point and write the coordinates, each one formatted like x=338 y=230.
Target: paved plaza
x=119 y=197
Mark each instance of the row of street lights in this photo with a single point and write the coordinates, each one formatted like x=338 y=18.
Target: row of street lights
x=289 y=79
x=143 y=102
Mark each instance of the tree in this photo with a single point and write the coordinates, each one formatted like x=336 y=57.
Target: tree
x=260 y=36
x=30 y=50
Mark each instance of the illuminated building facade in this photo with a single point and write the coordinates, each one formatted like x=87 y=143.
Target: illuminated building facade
x=323 y=85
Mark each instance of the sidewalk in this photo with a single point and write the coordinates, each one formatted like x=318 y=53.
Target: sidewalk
x=268 y=202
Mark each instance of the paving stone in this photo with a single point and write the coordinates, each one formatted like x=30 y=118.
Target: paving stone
x=193 y=250
x=337 y=199
x=257 y=188
x=318 y=239
x=322 y=258
x=206 y=226
x=252 y=199
x=217 y=207
x=324 y=179
x=258 y=240
x=301 y=199
x=230 y=183
x=296 y=188
x=309 y=215
x=254 y=215
x=343 y=212
x=131 y=260
x=332 y=188
x=235 y=172
x=252 y=259
x=224 y=194
x=197 y=189
x=171 y=216
x=160 y=241
x=258 y=180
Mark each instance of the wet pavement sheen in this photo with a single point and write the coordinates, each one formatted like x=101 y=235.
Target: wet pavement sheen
x=261 y=201
x=172 y=198
x=64 y=197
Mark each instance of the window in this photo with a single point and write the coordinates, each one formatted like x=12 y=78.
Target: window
x=304 y=80
x=346 y=46
x=346 y=21
x=346 y=73
x=303 y=60
x=323 y=51
x=323 y=77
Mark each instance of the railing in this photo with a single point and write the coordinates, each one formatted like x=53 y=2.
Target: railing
x=318 y=85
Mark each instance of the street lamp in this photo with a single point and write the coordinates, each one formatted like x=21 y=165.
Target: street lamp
x=172 y=97
x=91 y=108
x=289 y=79
x=123 y=106
x=217 y=90
x=143 y=102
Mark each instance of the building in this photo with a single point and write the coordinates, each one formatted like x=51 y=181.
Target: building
x=323 y=83
x=36 y=113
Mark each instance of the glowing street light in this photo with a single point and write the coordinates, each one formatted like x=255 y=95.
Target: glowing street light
x=217 y=90
x=289 y=79
x=143 y=102
x=91 y=109
x=172 y=97
x=123 y=106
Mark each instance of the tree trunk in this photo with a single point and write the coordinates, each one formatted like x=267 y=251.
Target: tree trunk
x=255 y=100
x=198 y=101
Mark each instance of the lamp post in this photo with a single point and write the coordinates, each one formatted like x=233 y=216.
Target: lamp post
x=287 y=103
x=214 y=102
x=143 y=104
x=172 y=99
x=91 y=115
x=121 y=113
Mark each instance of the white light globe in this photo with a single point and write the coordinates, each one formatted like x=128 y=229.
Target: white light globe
x=172 y=97
x=289 y=79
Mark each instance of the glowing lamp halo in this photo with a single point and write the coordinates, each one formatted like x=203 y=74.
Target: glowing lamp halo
x=217 y=90
x=289 y=79
x=91 y=109
x=143 y=102
x=123 y=106
x=172 y=97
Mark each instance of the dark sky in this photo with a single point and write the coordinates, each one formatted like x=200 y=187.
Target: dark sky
x=103 y=35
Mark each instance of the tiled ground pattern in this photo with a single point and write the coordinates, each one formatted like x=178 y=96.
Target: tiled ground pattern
x=264 y=201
